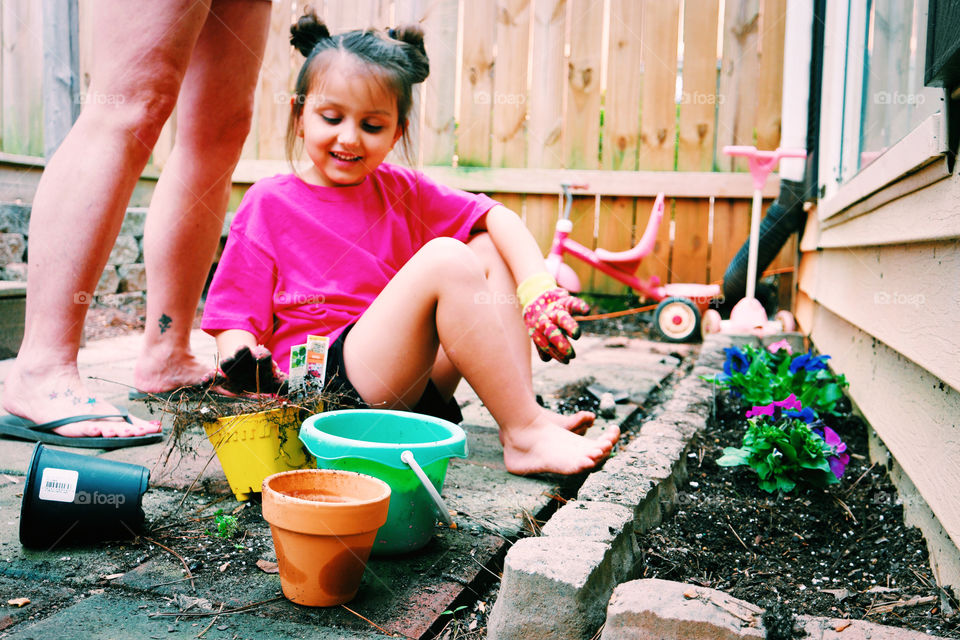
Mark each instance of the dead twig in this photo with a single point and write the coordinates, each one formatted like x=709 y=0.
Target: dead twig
x=739 y=539
x=200 y=614
x=186 y=567
x=857 y=481
x=844 y=506
x=899 y=604
x=213 y=620
x=367 y=620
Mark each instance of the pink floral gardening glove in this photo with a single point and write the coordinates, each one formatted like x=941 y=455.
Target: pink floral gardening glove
x=546 y=312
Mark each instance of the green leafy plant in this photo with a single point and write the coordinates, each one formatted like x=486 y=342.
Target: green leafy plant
x=227 y=525
x=785 y=447
x=760 y=376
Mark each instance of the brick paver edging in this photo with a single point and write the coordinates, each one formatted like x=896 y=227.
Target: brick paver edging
x=580 y=573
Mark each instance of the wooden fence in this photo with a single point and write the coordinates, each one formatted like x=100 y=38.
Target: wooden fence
x=624 y=92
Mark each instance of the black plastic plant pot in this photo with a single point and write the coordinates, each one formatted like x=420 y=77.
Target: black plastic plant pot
x=70 y=499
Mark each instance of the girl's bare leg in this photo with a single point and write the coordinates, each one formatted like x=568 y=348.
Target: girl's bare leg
x=186 y=213
x=141 y=53
x=434 y=300
x=503 y=299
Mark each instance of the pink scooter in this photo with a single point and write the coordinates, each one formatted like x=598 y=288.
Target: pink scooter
x=748 y=316
x=677 y=317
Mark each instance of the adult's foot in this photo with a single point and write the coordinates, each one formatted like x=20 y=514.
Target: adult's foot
x=157 y=373
x=53 y=395
x=545 y=447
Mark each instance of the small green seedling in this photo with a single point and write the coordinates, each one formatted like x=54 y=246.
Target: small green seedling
x=448 y=612
x=227 y=526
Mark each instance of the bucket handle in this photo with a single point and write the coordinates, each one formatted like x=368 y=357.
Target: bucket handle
x=438 y=503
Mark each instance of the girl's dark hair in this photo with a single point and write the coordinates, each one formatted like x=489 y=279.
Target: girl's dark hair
x=397 y=56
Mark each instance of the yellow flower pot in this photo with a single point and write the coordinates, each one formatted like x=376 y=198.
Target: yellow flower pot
x=252 y=446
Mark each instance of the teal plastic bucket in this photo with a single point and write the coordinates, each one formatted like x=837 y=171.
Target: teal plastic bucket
x=408 y=451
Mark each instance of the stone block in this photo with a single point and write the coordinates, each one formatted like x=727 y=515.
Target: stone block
x=843 y=629
x=13 y=247
x=611 y=524
x=109 y=281
x=133 y=221
x=628 y=487
x=552 y=587
x=125 y=251
x=14 y=218
x=13 y=304
x=133 y=277
x=666 y=610
x=15 y=271
x=686 y=423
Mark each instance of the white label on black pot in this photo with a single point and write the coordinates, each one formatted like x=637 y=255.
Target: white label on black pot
x=58 y=485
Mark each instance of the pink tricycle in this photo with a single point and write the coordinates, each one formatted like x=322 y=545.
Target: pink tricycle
x=678 y=314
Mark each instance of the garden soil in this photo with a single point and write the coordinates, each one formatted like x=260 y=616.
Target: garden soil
x=843 y=552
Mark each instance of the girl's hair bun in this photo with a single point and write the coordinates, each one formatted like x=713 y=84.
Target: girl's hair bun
x=412 y=35
x=308 y=31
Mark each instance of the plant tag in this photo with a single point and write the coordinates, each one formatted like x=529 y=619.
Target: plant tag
x=317 y=347
x=298 y=367
x=58 y=485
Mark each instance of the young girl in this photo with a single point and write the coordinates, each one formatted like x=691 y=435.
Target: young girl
x=414 y=283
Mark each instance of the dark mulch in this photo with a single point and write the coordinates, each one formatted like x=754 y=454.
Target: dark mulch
x=841 y=552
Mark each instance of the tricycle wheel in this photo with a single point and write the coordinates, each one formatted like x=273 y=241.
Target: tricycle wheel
x=677 y=320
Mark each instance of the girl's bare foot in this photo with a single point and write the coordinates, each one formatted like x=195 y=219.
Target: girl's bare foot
x=545 y=447
x=156 y=373
x=577 y=423
x=52 y=395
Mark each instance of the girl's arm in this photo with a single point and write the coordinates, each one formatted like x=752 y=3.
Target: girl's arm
x=546 y=308
x=514 y=241
x=229 y=341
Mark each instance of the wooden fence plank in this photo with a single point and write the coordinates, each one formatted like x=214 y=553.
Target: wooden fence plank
x=476 y=84
x=545 y=104
x=658 y=262
x=621 y=122
x=698 y=101
x=688 y=262
x=582 y=214
x=540 y=215
x=731 y=227
x=659 y=110
x=736 y=97
x=276 y=84
x=581 y=124
x=773 y=19
x=509 y=98
x=61 y=71
x=356 y=14
x=439 y=22
x=614 y=233
x=22 y=74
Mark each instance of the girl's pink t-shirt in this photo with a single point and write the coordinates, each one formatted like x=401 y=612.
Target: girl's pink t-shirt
x=303 y=259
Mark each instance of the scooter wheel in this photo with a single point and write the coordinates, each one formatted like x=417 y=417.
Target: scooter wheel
x=712 y=323
x=677 y=320
x=787 y=321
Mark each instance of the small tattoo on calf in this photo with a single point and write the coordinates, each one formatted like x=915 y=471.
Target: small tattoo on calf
x=165 y=322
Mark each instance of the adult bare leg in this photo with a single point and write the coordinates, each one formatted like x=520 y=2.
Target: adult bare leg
x=140 y=57
x=186 y=213
x=503 y=299
x=432 y=301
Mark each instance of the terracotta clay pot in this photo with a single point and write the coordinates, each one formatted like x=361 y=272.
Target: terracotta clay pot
x=323 y=524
